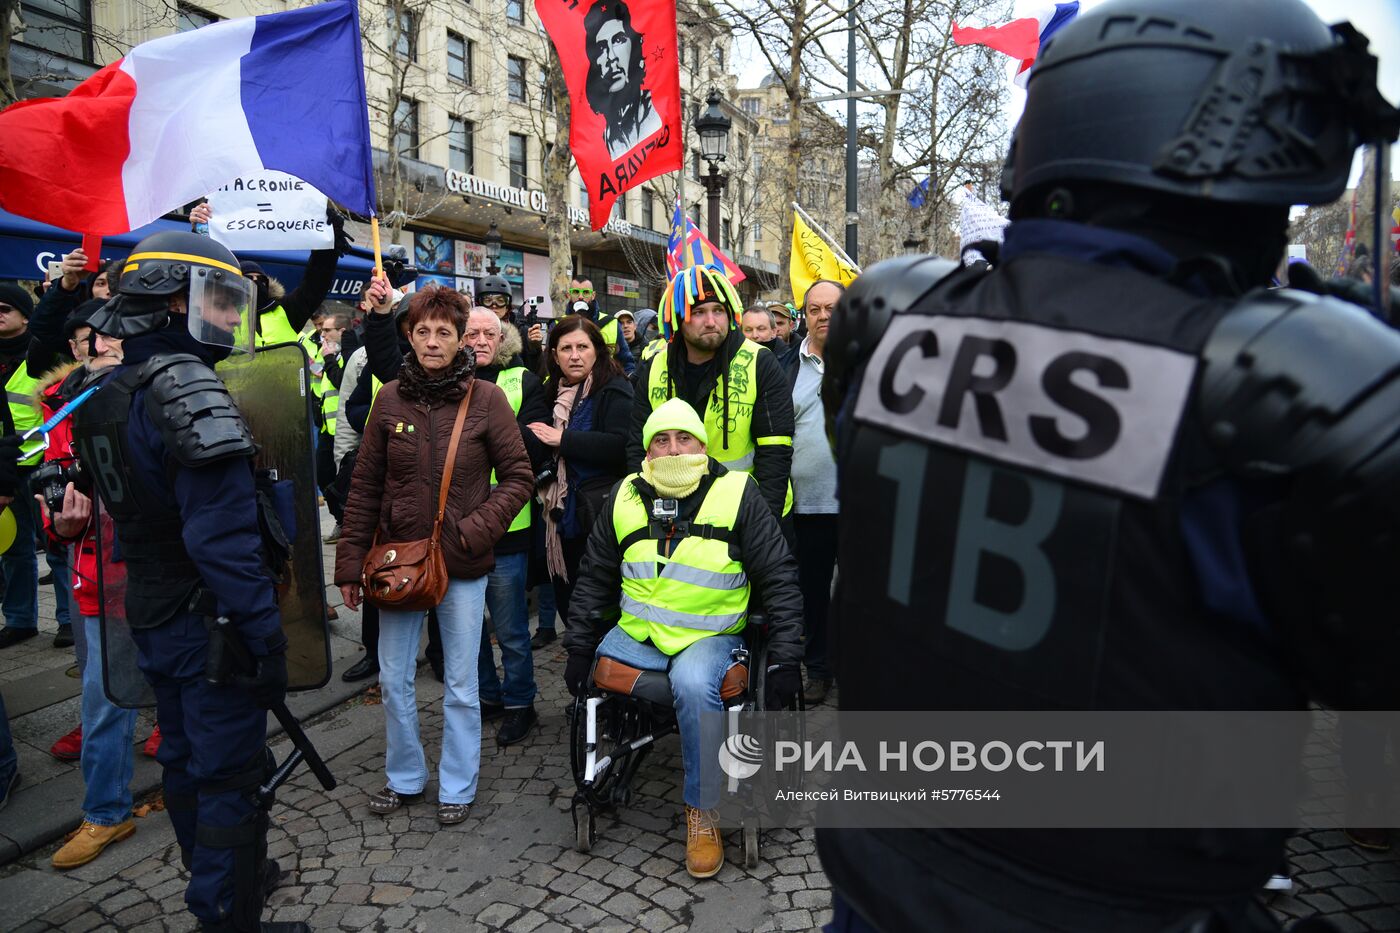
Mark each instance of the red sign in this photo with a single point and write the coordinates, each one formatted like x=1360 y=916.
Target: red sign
x=622 y=67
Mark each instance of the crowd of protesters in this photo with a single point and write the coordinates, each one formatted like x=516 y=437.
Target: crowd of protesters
x=554 y=415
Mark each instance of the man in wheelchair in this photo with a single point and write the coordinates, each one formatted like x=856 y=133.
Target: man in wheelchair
x=671 y=561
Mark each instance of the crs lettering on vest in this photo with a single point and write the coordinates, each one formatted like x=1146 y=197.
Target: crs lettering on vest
x=1091 y=409
x=998 y=562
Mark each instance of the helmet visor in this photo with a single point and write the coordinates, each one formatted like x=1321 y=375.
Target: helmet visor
x=221 y=308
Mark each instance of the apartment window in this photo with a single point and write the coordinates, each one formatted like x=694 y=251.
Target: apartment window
x=60 y=26
x=724 y=236
x=515 y=79
x=695 y=214
x=756 y=232
x=515 y=11
x=460 y=144
x=583 y=195
x=648 y=210
x=622 y=206
x=546 y=91
x=519 y=177
x=718 y=53
x=743 y=148
x=695 y=56
x=751 y=105
x=192 y=17
x=403 y=24
x=459 y=59
x=406 y=128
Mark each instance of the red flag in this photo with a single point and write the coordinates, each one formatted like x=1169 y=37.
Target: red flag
x=621 y=64
x=1019 y=38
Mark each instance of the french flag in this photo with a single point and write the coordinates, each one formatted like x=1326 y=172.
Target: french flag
x=1020 y=38
x=183 y=114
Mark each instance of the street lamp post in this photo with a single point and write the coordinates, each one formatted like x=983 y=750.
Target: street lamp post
x=713 y=128
x=493 y=249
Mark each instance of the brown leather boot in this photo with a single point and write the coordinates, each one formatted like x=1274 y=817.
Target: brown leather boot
x=89 y=841
x=704 y=850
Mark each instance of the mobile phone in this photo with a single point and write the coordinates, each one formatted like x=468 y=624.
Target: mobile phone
x=55 y=270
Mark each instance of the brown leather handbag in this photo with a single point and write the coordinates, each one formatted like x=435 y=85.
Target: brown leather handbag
x=412 y=575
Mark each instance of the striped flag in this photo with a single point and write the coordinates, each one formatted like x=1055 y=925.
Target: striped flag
x=685 y=236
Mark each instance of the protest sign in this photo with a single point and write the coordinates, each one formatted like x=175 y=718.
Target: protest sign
x=269 y=211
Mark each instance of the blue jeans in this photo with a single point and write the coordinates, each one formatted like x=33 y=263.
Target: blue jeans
x=505 y=597
x=696 y=673
x=212 y=739
x=544 y=595
x=459 y=615
x=20 y=566
x=108 y=733
x=62 y=585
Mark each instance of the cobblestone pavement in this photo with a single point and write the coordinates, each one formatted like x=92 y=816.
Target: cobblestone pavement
x=512 y=866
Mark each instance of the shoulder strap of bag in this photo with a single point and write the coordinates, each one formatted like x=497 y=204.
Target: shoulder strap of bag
x=452 y=457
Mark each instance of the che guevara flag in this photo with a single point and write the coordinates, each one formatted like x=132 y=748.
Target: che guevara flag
x=181 y=115
x=621 y=64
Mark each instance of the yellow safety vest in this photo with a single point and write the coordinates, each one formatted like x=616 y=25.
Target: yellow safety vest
x=698 y=589
x=611 y=334
x=656 y=346
x=512 y=383
x=25 y=412
x=737 y=455
x=274 y=328
x=330 y=401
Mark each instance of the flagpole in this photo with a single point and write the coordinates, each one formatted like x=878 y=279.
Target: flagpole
x=374 y=234
x=826 y=237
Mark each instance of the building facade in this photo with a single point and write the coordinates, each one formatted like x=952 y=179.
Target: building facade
x=461 y=118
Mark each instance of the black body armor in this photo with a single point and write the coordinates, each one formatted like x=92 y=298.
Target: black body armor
x=199 y=424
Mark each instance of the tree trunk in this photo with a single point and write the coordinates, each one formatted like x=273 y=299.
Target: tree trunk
x=7 y=83
x=556 y=189
x=792 y=170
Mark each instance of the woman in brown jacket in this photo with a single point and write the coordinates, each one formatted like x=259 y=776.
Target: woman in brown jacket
x=394 y=490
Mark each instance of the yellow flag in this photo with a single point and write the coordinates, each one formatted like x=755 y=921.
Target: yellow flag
x=813 y=259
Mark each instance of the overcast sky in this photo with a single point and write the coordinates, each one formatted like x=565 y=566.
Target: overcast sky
x=1378 y=19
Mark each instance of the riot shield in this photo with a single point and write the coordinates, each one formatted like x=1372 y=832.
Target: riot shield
x=122 y=679
x=272 y=390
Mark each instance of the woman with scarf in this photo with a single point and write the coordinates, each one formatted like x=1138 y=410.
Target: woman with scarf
x=592 y=404
x=394 y=492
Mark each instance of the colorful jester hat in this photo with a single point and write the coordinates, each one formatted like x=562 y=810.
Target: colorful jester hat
x=695 y=285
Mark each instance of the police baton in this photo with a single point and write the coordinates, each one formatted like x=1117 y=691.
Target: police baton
x=228 y=658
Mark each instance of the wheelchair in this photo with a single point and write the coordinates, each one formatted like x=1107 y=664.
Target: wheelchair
x=617 y=721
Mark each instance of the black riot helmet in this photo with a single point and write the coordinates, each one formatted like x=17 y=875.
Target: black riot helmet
x=217 y=298
x=493 y=285
x=1237 y=101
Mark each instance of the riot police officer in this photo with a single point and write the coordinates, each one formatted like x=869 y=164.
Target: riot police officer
x=1121 y=475
x=171 y=458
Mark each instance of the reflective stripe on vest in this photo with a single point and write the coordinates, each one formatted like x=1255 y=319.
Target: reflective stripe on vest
x=743 y=394
x=330 y=402
x=656 y=346
x=512 y=383
x=698 y=590
x=25 y=413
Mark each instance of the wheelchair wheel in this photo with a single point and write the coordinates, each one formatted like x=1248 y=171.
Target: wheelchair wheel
x=584 y=831
x=750 y=835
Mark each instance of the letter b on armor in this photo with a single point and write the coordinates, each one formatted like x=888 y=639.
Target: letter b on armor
x=983 y=538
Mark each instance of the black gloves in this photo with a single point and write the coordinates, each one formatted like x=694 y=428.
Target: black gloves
x=9 y=464
x=268 y=683
x=576 y=671
x=342 y=239
x=783 y=684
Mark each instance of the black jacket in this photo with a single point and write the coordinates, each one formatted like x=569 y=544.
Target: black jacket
x=48 y=347
x=772 y=411
x=760 y=548
x=303 y=300
x=384 y=347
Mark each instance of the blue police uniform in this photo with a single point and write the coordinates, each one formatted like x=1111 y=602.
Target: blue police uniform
x=213 y=747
